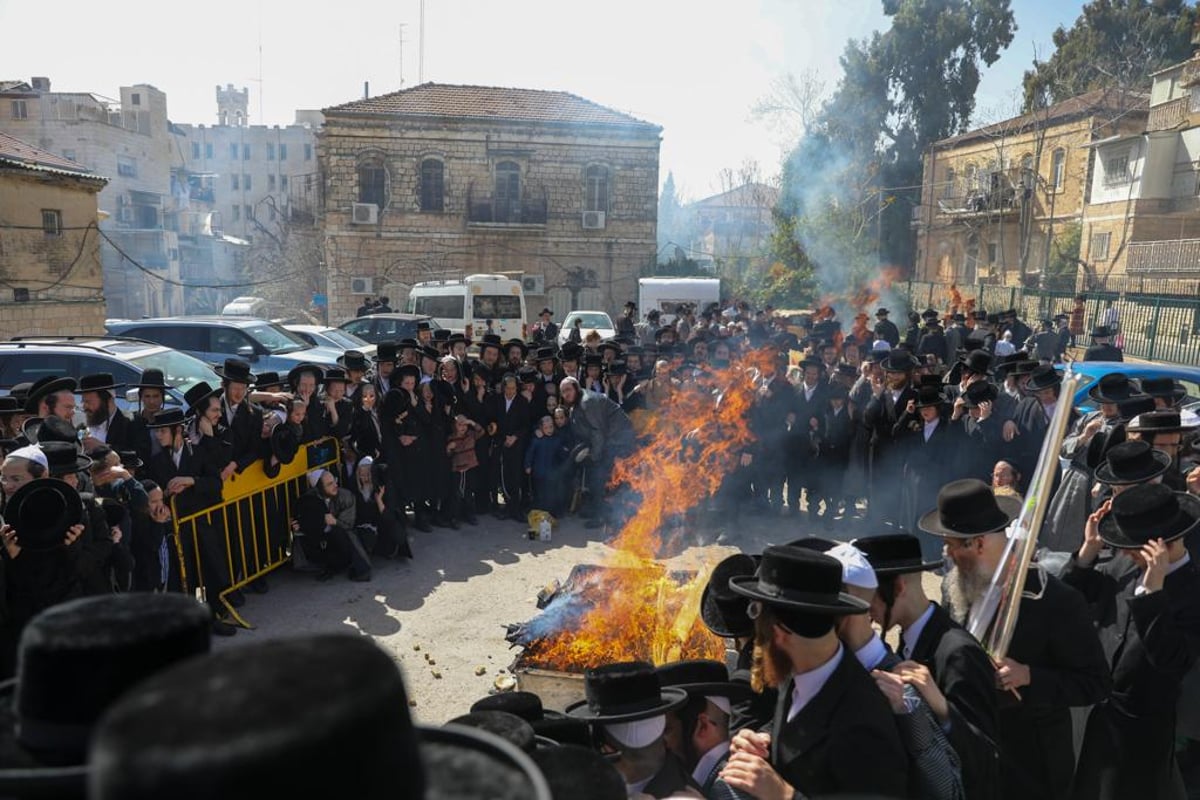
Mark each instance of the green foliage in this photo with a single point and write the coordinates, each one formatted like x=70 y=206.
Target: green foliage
x=789 y=281
x=670 y=214
x=1064 y=256
x=1113 y=42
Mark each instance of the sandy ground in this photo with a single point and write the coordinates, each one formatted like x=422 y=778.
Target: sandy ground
x=453 y=599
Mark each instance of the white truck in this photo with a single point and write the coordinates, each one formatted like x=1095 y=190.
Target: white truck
x=667 y=294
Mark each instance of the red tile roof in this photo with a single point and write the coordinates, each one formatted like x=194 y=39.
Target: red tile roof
x=489 y=102
x=22 y=155
x=1110 y=103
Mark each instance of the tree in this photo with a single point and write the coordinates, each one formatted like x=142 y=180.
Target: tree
x=670 y=213
x=1112 y=43
x=1064 y=258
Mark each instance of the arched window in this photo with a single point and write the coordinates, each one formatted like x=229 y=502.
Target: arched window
x=595 y=188
x=950 y=189
x=1058 y=168
x=507 y=198
x=432 y=187
x=372 y=182
x=972 y=177
x=1027 y=170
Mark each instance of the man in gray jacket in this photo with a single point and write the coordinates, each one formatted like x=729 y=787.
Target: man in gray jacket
x=604 y=434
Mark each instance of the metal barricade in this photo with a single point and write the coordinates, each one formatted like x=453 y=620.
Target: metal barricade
x=254 y=519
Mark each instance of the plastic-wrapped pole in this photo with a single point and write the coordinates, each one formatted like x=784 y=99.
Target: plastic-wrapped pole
x=994 y=619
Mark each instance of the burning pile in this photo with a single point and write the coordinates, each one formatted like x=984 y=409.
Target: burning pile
x=633 y=607
x=862 y=297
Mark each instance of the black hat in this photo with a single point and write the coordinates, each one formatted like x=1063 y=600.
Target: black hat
x=1101 y=443
x=395 y=402
x=577 y=772
x=1136 y=405
x=9 y=406
x=293 y=376
x=407 y=344
x=929 y=396
x=196 y=395
x=993 y=319
x=526 y=705
x=98 y=382
x=723 y=610
x=1132 y=462
x=929 y=313
x=167 y=418
x=1163 y=387
x=978 y=361
x=152 y=378
x=1113 y=388
x=46 y=386
x=593 y=360
x=624 y=692
x=508 y=727
x=130 y=459
x=546 y=311
x=1102 y=332
x=544 y=354
x=527 y=375
x=406 y=370
x=609 y=344
x=798 y=579
x=514 y=342
x=423 y=325
x=967 y=508
x=881 y=312
x=959 y=317
x=703 y=678
x=1146 y=512
x=284 y=443
x=456 y=338
x=895 y=554
x=353 y=360
x=385 y=351
x=74 y=660
x=1153 y=422
x=898 y=361
x=430 y=352
x=41 y=511
x=335 y=375
x=63 y=458
x=267 y=380
x=1043 y=376
x=253 y=725
x=979 y=315
x=847 y=370
x=441 y=335
x=979 y=392
x=50 y=429
x=236 y=370
x=811 y=361
x=491 y=340
x=570 y=351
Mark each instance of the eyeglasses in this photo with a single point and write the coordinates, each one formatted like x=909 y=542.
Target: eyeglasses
x=754 y=609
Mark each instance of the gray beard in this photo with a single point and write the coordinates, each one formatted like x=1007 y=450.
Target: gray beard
x=962 y=591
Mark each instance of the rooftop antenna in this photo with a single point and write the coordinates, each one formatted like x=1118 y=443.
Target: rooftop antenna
x=402 y=27
x=421 y=47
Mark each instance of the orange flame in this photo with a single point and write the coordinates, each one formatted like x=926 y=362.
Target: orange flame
x=863 y=297
x=640 y=610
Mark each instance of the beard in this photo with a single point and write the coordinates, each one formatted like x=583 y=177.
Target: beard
x=964 y=589
x=98 y=417
x=769 y=666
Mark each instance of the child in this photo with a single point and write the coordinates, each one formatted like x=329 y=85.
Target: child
x=464 y=464
x=835 y=454
x=541 y=465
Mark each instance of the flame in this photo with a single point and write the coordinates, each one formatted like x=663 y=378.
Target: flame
x=640 y=610
x=862 y=298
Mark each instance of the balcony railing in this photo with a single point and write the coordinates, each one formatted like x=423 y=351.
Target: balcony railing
x=530 y=212
x=1168 y=115
x=1173 y=256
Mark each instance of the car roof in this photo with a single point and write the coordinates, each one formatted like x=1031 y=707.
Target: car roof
x=209 y=319
x=123 y=346
x=392 y=315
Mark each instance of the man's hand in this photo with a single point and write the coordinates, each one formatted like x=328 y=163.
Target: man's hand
x=1010 y=430
x=747 y=459
x=73 y=533
x=911 y=407
x=892 y=686
x=1011 y=675
x=918 y=676
x=752 y=774
x=1092 y=543
x=1193 y=480
x=228 y=471
x=1091 y=429
x=960 y=405
x=1157 y=561
x=179 y=483
x=509 y=441
x=754 y=742
x=114 y=534
x=9 y=537
x=985 y=411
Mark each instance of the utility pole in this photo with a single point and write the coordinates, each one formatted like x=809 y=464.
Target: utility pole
x=402 y=26
x=421 y=46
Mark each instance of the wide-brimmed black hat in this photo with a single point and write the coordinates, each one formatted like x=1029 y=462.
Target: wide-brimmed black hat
x=196 y=395
x=1153 y=422
x=703 y=677
x=41 y=511
x=519 y=343
x=967 y=508
x=1135 y=406
x=64 y=458
x=798 y=579
x=930 y=395
x=284 y=443
x=441 y=335
x=898 y=361
x=1132 y=462
x=929 y=313
x=1114 y=387
x=74 y=660
x=544 y=354
x=1164 y=387
x=491 y=340
x=293 y=376
x=268 y=380
x=570 y=351
x=1043 y=376
x=405 y=370
x=252 y=725
x=130 y=459
x=46 y=386
x=151 y=378
x=49 y=429
x=9 y=406
x=624 y=692
x=98 y=382
x=895 y=554
x=811 y=361
x=167 y=418
x=546 y=311
x=881 y=312
x=386 y=351
x=456 y=338
x=1147 y=512
x=335 y=375
x=407 y=344
x=526 y=705
x=978 y=361
x=723 y=610
x=353 y=360
x=236 y=370
x=1101 y=332
x=979 y=392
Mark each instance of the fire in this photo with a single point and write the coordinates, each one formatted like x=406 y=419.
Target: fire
x=639 y=610
x=863 y=297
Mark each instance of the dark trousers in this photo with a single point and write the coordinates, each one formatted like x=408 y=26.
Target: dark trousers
x=512 y=477
x=548 y=494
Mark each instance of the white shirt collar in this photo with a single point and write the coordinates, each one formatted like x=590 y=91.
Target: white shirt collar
x=708 y=761
x=910 y=637
x=930 y=427
x=806 y=685
x=872 y=653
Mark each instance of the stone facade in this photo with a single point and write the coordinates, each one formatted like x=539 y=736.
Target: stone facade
x=49 y=246
x=516 y=170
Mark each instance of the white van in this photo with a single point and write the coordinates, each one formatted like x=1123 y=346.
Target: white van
x=466 y=305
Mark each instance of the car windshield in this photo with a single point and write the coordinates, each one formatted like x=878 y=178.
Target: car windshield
x=275 y=338
x=181 y=370
x=594 y=320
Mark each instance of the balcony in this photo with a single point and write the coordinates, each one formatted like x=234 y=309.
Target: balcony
x=1173 y=256
x=1169 y=115
x=529 y=210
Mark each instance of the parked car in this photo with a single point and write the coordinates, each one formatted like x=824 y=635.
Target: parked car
x=376 y=328
x=30 y=358
x=336 y=338
x=266 y=345
x=597 y=321
x=1092 y=371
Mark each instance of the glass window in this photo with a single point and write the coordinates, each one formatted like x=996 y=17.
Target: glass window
x=950 y=188
x=1099 y=246
x=234 y=181
x=497 y=306
x=121 y=371
x=52 y=222
x=245 y=152
x=283 y=182
x=228 y=341
x=126 y=167
x=308 y=152
x=446 y=306
x=208 y=150
x=270 y=151
x=282 y=151
x=270 y=183
x=246 y=181
x=591 y=321
x=195 y=151
x=358 y=327
x=32 y=365
x=1116 y=168
x=595 y=195
x=507 y=199
x=19 y=111
x=179 y=337
x=233 y=151
x=432 y=172
x=237 y=213
x=372 y=184
x=180 y=370
x=274 y=338
x=1058 y=163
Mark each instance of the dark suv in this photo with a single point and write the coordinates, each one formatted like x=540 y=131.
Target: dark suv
x=376 y=328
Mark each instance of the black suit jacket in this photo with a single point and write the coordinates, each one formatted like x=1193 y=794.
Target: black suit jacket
x=843 y=742
x=244 y=434
x=194 y=463
x=881 y=416
x=967 y=678
x=670 y=780
x=1103 y=352
x=120 y=432
x=515 y=421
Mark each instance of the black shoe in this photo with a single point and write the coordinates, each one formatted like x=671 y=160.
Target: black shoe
x=220 y=628
x=422 y=526
x=259 y=586
x=236 y=599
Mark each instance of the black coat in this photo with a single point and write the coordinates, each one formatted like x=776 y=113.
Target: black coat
x=928 y=465
x=1055 y=638
x=1103 y=352
x=843 y=742
x=934 y=343
x=799 y=450
x=244 y=434
x=964 y=673
x=889 y=331
x=671 y=780
x=120 y=432
x=1150 y=642
x=202 y=464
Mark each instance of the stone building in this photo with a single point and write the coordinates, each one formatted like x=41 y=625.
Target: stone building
x=998 y=200
x=440 y=181
x=128 y=140
x=49 y=244
x=733 y=228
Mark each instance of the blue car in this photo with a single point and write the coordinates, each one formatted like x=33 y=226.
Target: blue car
x=1092 y=371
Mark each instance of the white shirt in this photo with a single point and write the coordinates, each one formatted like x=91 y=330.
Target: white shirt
x=910 y=637
x=930 y=427
x=708 y=761
x=806 y=685
x=808 y=392
x=872 y=653
x=1049 y=410
x=99 y=432
x=1141 y=587
x=177 y=456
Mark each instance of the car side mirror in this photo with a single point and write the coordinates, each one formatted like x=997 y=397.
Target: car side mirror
x=131 y=396
x=247 y=352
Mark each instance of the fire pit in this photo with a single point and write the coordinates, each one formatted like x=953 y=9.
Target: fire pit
x=604 y=614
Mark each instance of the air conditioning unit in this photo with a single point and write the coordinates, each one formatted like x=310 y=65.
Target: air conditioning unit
x=593 y=220
x=364 y=214
x=362 y=285
x=534 y=284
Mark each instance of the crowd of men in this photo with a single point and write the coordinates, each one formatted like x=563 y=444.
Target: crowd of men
x=927 y=438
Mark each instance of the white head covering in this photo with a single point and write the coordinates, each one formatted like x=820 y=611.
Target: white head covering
x=314 y=477
x=31 y=452
x=720 y=702
x=642 y=733
x=366 y=461
x=856 y=570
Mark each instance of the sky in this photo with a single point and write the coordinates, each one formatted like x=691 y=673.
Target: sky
x=695 y=67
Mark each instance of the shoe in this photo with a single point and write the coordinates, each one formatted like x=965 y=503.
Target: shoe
x=220 y=628
x=236 y=599
x=259 y=586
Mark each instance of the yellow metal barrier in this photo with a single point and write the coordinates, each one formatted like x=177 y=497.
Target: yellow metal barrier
x=250 y=503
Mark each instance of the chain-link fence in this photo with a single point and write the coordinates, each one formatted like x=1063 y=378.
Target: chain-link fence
x=1154 y=327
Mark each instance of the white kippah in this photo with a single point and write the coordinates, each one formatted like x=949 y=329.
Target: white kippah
x=642 y=733
x=366 y=461
x=314 y=477
x=856 y=570
x=720 y=702
x=31 y=452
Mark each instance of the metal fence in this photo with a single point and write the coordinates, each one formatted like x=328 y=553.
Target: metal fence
x=1153 y=327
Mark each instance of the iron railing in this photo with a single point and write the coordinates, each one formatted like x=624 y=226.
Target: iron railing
x=1174 y=255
